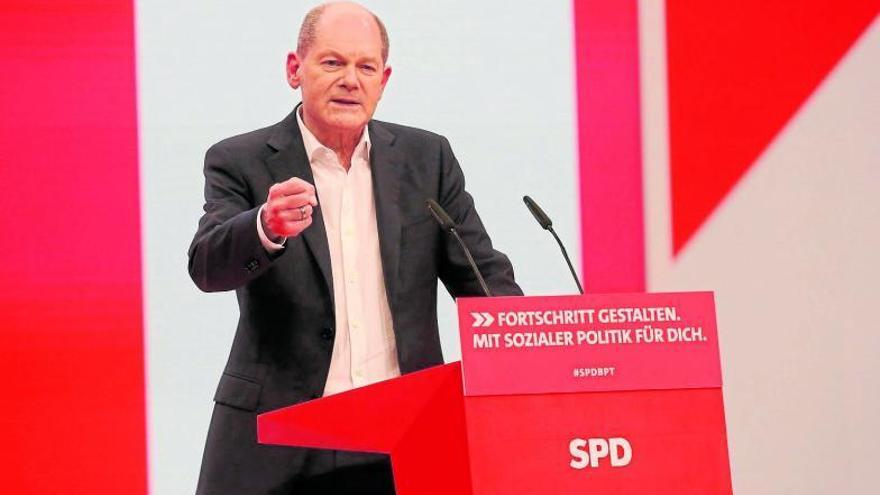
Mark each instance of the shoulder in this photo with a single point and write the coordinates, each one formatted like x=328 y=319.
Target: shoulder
x=407 y=137
x=249 y=144
x=424 y=157
x=252 y=144
x=247 y=139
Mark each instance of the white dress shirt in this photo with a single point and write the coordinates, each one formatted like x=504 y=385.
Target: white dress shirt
x=364 y=349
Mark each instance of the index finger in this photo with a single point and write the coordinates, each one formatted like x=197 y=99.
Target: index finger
x=295 y=185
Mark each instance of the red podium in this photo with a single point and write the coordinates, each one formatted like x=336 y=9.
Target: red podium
x=616 y=393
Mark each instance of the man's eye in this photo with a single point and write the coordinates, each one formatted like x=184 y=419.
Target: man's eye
x=368 y=68
x=332 y=63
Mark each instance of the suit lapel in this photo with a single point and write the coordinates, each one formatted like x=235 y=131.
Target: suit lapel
x=385 y=165
x=290 y=160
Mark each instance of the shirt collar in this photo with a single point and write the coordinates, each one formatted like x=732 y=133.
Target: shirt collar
x=312 y=145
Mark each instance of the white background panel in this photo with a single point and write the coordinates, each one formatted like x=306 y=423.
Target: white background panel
x=494 y=77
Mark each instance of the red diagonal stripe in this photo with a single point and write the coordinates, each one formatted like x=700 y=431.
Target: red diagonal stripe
x=738 y=71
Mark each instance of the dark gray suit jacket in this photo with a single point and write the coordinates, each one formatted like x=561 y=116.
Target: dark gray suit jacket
x=281 y=351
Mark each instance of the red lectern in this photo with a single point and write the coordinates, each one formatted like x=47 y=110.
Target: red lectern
x=613 y=393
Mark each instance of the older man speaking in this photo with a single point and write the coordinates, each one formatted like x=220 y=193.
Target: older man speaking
x=318 y=223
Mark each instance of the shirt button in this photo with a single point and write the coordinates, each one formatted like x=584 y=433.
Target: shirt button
x=355 y=324
x=359 y=374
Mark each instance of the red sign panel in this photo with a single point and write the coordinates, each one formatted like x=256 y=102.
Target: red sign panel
x=602 y=342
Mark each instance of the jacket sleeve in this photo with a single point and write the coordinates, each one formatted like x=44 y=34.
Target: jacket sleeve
x=455 y=272
x=226 y=252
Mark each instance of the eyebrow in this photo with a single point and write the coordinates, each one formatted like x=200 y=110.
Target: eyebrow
x=329 y=52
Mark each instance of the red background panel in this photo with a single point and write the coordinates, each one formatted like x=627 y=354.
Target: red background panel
x=71 y=336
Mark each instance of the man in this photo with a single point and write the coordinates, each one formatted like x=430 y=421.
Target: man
x=319 y=224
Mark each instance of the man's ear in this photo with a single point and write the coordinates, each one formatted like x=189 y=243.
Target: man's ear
x=386 y=74
x=294 y=63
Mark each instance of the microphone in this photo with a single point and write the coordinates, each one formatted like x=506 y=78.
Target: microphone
x=547 y=224
x=449 y=226
x=539 y=214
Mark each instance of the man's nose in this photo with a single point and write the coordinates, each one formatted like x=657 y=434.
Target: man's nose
x=349 y=77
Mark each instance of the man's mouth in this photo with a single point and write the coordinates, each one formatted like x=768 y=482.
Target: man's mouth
x=345 y=101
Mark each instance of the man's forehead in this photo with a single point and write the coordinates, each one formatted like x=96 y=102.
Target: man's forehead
x=352 y=18
x=348 y=30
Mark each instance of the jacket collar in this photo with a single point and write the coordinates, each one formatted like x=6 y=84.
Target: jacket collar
x=290 y=160
x=386 y=164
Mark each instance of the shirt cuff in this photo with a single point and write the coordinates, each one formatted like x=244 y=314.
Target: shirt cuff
x=267 y=243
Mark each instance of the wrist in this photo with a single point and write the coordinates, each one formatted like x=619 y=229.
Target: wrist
x=272 y=236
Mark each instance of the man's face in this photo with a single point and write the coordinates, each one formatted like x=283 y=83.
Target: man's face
x=342 y=74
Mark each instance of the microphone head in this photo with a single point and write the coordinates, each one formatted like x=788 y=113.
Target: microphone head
x=538 y=213
x=440 y=215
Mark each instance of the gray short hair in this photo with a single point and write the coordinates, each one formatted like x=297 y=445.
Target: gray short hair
x=309 y=31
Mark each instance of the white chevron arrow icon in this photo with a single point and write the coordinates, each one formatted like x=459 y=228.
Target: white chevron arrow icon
x=482 y=319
